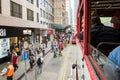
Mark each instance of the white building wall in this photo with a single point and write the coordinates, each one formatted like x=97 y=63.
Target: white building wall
x=68 y=9
x=8 y=20
x=5 y=7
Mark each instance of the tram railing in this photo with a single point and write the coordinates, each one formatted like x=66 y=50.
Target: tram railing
x=111 y=70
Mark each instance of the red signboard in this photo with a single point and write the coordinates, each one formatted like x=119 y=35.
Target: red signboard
x=50 y=31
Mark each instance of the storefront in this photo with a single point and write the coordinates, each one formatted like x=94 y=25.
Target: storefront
x=11 y=37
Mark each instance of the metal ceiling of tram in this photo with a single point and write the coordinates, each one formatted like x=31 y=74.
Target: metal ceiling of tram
x=105 y=7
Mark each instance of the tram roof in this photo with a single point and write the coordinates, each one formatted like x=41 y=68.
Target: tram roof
x=105 y=7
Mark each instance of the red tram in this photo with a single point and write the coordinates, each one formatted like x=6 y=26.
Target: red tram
x=96 y=57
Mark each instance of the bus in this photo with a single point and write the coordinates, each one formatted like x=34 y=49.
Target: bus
x=100 y=67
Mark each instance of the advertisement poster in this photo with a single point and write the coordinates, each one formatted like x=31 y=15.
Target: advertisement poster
x=4 y=46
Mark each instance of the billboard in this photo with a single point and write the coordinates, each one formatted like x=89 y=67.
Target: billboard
x=4 y=46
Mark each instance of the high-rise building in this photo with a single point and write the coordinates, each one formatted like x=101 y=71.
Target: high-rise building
x=68 y=11
x=59 y=12
x=47 y=12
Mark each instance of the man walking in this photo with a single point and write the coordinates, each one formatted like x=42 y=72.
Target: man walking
x=40 y=63
x=10 y=71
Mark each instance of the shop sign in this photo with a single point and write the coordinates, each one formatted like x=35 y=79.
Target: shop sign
x=2 y=32
x=50 y=31
x=4 y=46
x=27 y=31
x=26 y=54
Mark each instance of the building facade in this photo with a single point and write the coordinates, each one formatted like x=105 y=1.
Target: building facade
x=59 y=13
x=24 y=20
x=68 y=10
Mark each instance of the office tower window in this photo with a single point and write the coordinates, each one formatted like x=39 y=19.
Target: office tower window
x=37 y=3
x=37 y=17
x=42 y=2
x=16 y=10
x=41 y=12
x=31 y=1
x=46 y=15
x=41 y=22
x=30 y=15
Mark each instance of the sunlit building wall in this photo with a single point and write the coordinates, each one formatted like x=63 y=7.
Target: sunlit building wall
x=60 y=11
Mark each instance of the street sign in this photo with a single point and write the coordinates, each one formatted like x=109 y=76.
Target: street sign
x=25 y=54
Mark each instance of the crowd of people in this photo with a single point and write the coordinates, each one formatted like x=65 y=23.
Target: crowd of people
x=57 y=45
x=59 y=42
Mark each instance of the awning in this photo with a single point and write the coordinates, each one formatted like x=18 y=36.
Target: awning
x=59 y=26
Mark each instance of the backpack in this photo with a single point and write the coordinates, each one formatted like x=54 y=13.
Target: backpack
x=39 y=62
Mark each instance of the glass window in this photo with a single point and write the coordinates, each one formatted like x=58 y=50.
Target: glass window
x=46 y=15
x=40 y=1
x=31 y=1
x=41 y=22
x=16 y=10
x=37 y=3
x=41 y=12
x=37 y=17
x=30 y=15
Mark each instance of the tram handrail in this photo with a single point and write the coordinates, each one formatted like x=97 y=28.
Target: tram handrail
x=109 y=43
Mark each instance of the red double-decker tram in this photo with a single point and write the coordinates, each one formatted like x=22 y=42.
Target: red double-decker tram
x=96 y=56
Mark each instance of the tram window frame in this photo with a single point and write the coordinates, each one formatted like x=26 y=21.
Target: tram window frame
x=85 y=5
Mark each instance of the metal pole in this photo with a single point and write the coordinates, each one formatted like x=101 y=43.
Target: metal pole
x=19 y=45
x=77 y=71
x=35 y=66
x=25 y=71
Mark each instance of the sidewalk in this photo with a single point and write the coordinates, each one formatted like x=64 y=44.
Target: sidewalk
x=20 y=72
x=52 y=70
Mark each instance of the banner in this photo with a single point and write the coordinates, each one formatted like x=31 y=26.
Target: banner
x=4 y=46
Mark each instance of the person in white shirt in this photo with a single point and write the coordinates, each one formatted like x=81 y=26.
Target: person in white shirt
x=40 y=63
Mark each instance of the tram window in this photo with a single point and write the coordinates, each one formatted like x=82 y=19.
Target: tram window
x=106 y=21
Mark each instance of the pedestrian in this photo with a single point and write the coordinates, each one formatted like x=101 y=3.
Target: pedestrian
x=9 y=55
x=30 y=54
x=17 y=51
x=40 y=62
x=37 y=49
x=10 y=71
x=43 y=49
x=15 y=60
x=52 y=45
x=31 y=61
x=60 y=47
x=55 y=48
x=46 y=42
x=116 y=20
